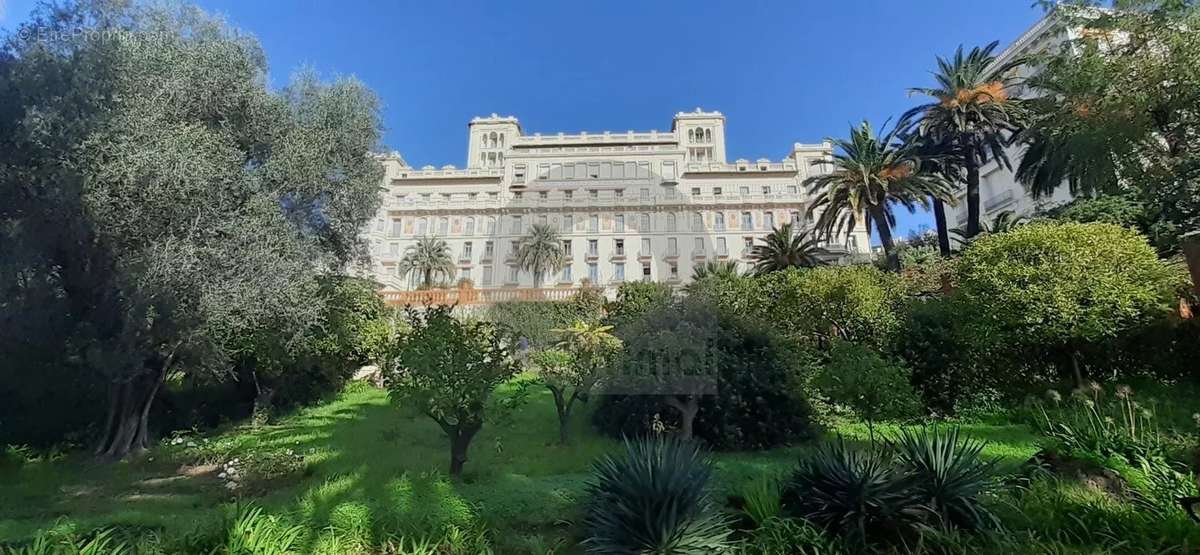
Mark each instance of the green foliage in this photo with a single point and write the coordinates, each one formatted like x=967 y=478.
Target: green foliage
x=250 y=531
x=760 y=401
x=949 y=474
x=654 y=499
x=430 y=259
x=1119 y=116
x=855 y=303
x=1064 y=284
x=102 y=542
x=158 y=232
x=762 y=500
x=583 y=355
x=785 y=536
x=862 y=379
x=540 y=252
x=535 y=321
x=447 y=369
x=786 y=248
x=635 y=299
x=857 y=494
x=950 y=363
x=1122 y=210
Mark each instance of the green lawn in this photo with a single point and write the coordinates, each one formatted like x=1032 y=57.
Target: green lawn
x=372 y=468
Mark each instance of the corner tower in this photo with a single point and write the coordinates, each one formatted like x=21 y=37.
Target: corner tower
x=701 y=135
x=491 y=139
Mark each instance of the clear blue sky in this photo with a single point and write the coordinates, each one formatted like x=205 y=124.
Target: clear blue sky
x=781 y=72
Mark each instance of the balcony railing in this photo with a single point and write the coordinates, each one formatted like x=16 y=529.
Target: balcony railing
x=477 y=296
x=585 y=202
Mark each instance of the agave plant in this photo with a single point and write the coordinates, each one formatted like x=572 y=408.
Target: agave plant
x=857 y=494
x=949 y=474
x=654 y=499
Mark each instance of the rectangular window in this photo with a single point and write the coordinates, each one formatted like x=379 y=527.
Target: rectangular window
x=514 y=274
x=645 y=223
x=619 y=193
x=446 y=197
x=443 y=226
x=619 y=247
x=748 y=243
x=722 y=248
x=646 y=272
x=668 y=170
x=645 y=194
x=466 y=274
x=567 y=249
x=493 y=196
x=695 y=191
x=795 y=215
x=792 y=190
x=672 y=246
x=673 y=271
x=422 y=226
x=697 y=222
x=566 y=275
x=516 y=245
x=568 y=194
x=619 y=271
x=593 y=273
x=766 y=189
x=489 y=250
x=470 y=226
x=542 y=219
x=396 y=228
x=466 y=252
x=491 y=226
x=568 y=223
x=719 y=221
x=744 y=190
x=519 y=173
x=516 y=225
x=593 y=193
x=698 y=246
x=747 y=220
x=394 y=250
x=619 y=223
x=543 y=194
x=487 y=275
x=593 y=247
x=716 y=191
x=594 y=223
x=645 y=247
x=768 y=220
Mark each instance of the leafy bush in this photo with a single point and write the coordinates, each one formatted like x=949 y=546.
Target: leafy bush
x=1064 y=286
x=102 y=542
x=949 y=474
x=635 y=299
x=854 y=303
x=654 y=499
x=760 y=401
x=535 y=320
x=858 y=494
x=862 y=379
x=950 y=363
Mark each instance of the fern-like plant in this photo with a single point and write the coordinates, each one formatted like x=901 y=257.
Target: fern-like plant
x=654 y=499
x=102 y=542
x=949 y=474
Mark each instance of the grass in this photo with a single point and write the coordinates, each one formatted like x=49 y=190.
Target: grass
x=371 y=471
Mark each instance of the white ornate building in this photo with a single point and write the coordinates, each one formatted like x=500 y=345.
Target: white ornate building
x=629 y=205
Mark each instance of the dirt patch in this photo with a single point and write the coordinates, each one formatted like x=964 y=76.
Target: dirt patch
x=1084 y=472
x=199 y=470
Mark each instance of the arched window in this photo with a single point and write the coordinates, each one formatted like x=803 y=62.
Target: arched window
x=691 y=135
x=491 y=225
x=720 y=221
x=422 y=226
x=492 y=140
x=697 y=222
x=470 y=226
x=708 y=135
x=502 y=140
x=443 y=226
x=644 y=224
x=670 y=222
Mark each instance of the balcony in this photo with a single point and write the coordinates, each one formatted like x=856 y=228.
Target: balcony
x=471 y=296
x=699 y=254
x=582 y=203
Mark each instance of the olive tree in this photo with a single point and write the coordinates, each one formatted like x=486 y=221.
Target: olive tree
x=168 y=198
x=447 y=369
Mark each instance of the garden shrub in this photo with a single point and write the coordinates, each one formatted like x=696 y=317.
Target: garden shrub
x=854 y=303
x=1064 y=287
x=949 y=361
x=654 y=498
x=635 y=299
x=950 y=474
x=865 y=381
x=786 y=536
x=534 y=321
x=760 y=399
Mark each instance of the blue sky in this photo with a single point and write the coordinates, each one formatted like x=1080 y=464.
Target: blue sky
x=781 y=72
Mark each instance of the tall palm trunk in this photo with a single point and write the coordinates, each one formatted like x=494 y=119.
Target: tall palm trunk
x=943 y=232
x=972 y=166
x=879 y=221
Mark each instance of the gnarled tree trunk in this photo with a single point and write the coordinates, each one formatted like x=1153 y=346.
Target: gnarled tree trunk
x=126 y=429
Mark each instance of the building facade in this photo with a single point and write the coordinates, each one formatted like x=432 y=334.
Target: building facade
x=629 y=206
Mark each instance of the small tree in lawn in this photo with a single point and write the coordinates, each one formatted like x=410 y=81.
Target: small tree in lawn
x=571 y=369
x=447 y=369
x=865 y=381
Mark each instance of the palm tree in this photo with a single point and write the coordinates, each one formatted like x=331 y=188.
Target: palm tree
x=719 y=268
x=431 y=258
x=936 y=156
x=870 y=174
x=1003 y=222
x=541 y=251
x=973 y=115
x=784 y=249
